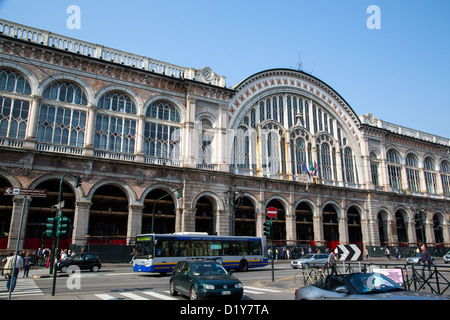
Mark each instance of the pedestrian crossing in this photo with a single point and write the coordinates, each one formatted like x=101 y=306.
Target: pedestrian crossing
x=165 y=295
x=24 y=287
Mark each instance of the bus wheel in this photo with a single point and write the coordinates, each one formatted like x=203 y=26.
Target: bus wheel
x=243 y=265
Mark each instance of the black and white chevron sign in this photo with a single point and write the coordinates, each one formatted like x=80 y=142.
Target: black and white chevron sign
x=349 y=252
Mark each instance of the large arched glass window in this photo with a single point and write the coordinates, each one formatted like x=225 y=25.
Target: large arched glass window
x=14 y=104
x=162 y=131
x=430 y=175
x=412 y=172
x=445 y=177
x=62 y=115
x=394 y=169
x=115 y=123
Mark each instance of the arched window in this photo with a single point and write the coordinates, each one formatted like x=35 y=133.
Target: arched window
x=430 y=175
x=115 y=125
x=162 y=138
x=412 y=172
x=348 y=162
x=325 y=162
x=394 y=169
x=14 y=104
x=62 y=115
x=445 y=177
x=374 y=163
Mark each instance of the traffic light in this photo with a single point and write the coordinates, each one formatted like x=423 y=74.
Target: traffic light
x=180 y=193
x=78 y=181
x=268 y=229
x=50 y=232
x=63 y=226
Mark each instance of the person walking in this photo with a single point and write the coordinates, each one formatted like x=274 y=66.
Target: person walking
x=425 y=260
x=332 y=263
x=26 y=265
x=11 y=271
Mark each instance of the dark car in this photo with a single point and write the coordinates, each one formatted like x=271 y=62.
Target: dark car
x=360 y=286
x=84 y=261
x=204 y=279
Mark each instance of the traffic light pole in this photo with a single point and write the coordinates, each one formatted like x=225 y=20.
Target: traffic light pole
x=271 y=248
x=58 y=230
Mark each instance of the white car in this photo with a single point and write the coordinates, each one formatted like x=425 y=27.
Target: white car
x=310 y=260
x=447 y=257
x=416 y=259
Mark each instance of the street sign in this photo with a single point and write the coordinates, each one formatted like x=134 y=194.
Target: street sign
x=272 y=212
x=349 y=252
x=10 y=191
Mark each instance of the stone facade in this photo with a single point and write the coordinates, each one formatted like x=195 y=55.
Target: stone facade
x=282 y=137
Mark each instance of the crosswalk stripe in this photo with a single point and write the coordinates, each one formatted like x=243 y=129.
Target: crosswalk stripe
x=159 y=296
x=166 y=294
x=24 y=287
x=262 y=289
x=105 y=296
x=133 y=296
x=252 y=291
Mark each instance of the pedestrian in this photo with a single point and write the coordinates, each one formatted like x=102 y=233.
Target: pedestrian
x=132 y=255
x=366 y=253
x=425 y=260
x=332 y=262
x=11 y=271
x=26 y=265
x=269 y=253
x=387 y=253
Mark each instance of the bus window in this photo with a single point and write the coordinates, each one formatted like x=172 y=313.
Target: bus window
x=164 y=248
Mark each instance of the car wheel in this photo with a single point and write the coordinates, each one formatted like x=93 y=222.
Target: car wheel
x=64 y=269
x=173 y=292
x=193 y=294
x=94 y=268
x=243 y=265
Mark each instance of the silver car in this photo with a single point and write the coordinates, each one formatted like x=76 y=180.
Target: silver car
x=416 y=259
x=360 y=286
x=447 y=257
x=310 y=260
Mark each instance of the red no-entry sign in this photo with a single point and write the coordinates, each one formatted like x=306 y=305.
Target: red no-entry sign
x=272 y=212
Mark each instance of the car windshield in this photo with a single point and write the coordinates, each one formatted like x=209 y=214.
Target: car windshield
x=308 y=256
x=368 y=283
x=207 y=269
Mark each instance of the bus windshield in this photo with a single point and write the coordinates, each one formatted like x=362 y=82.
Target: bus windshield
x=144 y=247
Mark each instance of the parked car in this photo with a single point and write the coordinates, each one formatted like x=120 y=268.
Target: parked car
x=203 y=279
x=447 y=257
x=310 y=260
x=415 y=259
x=84 y=261
x=360 y=286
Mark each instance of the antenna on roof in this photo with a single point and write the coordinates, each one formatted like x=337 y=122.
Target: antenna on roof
x=300 y=63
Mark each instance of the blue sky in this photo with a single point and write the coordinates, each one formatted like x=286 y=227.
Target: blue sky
x=400 y=73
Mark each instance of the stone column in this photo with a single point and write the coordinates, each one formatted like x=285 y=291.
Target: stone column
x=178 y=219
x=318 y=231
x=81 y=222
x=134 y=226
x=18 y=203
x=188 y=220
x=32 y=123
x=222 y=225
x=343 y=231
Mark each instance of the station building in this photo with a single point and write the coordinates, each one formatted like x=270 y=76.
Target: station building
x=137 y=130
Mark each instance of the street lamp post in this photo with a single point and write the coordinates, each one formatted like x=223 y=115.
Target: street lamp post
x=421 y=220
x=233 y=199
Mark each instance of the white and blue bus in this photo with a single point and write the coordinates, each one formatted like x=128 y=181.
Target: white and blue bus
x=160 y=252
